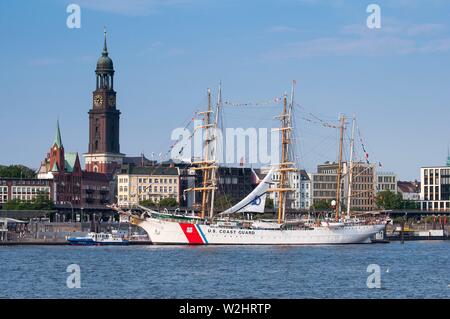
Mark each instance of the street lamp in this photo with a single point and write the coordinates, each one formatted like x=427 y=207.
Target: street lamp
x=72 y=208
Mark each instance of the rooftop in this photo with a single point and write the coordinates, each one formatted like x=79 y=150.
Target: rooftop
x=408 y=187
x=154 y=170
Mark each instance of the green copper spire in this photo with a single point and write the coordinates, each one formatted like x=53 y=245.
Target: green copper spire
x=105 y=48
x=58 y=141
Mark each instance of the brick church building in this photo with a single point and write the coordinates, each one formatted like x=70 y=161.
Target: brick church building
x=95 y=186
x=70 y=185
x=104 y=148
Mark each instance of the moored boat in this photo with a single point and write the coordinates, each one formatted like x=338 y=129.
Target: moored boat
x=97 y=239
x=226 y=228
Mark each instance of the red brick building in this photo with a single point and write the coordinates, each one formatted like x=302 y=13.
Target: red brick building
x=70 y=185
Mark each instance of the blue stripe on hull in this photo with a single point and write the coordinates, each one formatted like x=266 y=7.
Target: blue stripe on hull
x=201 y=234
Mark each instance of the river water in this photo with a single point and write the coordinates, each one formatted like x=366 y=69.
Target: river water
x=410 y=270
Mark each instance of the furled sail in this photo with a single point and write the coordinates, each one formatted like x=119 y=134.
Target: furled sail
x=255 y=201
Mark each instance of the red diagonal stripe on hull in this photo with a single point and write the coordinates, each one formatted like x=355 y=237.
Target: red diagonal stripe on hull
x=191 y=233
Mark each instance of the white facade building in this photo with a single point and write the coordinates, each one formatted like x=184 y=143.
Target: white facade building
x=435 y=188
x=301 y=198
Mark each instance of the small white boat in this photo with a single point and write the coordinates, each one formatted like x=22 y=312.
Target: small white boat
x=97 y=239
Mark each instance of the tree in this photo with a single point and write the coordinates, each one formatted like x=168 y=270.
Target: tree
x=16 y=171
x=322 y=205
x=223 y=202
x=40 y=202
x=168 y=202
x=148 y=203
x=410 y=204
x=389 y=200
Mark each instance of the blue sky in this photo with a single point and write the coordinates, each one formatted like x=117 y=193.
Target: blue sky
x=166 y=53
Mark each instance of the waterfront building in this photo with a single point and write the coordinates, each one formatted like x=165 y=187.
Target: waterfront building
x=136 y=184
x=363 y=187
x=70 y=186
x=104 y=148
x=386 y=181
x=293 y=198
x=305 y=190
x=435 y=187
x=233 y=184
x=187 y=181
x=409 y=190
x=324 y=185
x=96 y=190
x=24 y=189
x=300 y=198
x=64 y=170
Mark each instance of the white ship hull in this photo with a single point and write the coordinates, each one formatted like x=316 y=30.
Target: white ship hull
x=170 y=232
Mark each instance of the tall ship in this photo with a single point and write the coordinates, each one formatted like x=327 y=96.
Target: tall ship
x=239 y=224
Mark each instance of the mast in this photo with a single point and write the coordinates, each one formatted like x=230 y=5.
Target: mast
x=284 y=150
x=214 y=170
x=285 y=165
x=207 y=164
x=350 y=175
x=339 y=172
x=206 y=123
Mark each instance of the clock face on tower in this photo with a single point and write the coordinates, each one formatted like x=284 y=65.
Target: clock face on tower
x=112 y=100
x=98 y=100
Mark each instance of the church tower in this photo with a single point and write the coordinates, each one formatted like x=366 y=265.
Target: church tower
x=104 y=149
x=56 y=154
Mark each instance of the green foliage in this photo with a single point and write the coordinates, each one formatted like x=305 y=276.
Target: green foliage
x=16 y=171
x=390 y=200
x=223 y=202
x=41 y=202
x=322 y=205
x=168 y=202
x=410 y=204
x=148 y=203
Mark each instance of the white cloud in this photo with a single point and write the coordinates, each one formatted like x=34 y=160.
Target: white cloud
x=375 y=45
x=339 y=46
x=424 y=29
x=436 y=46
